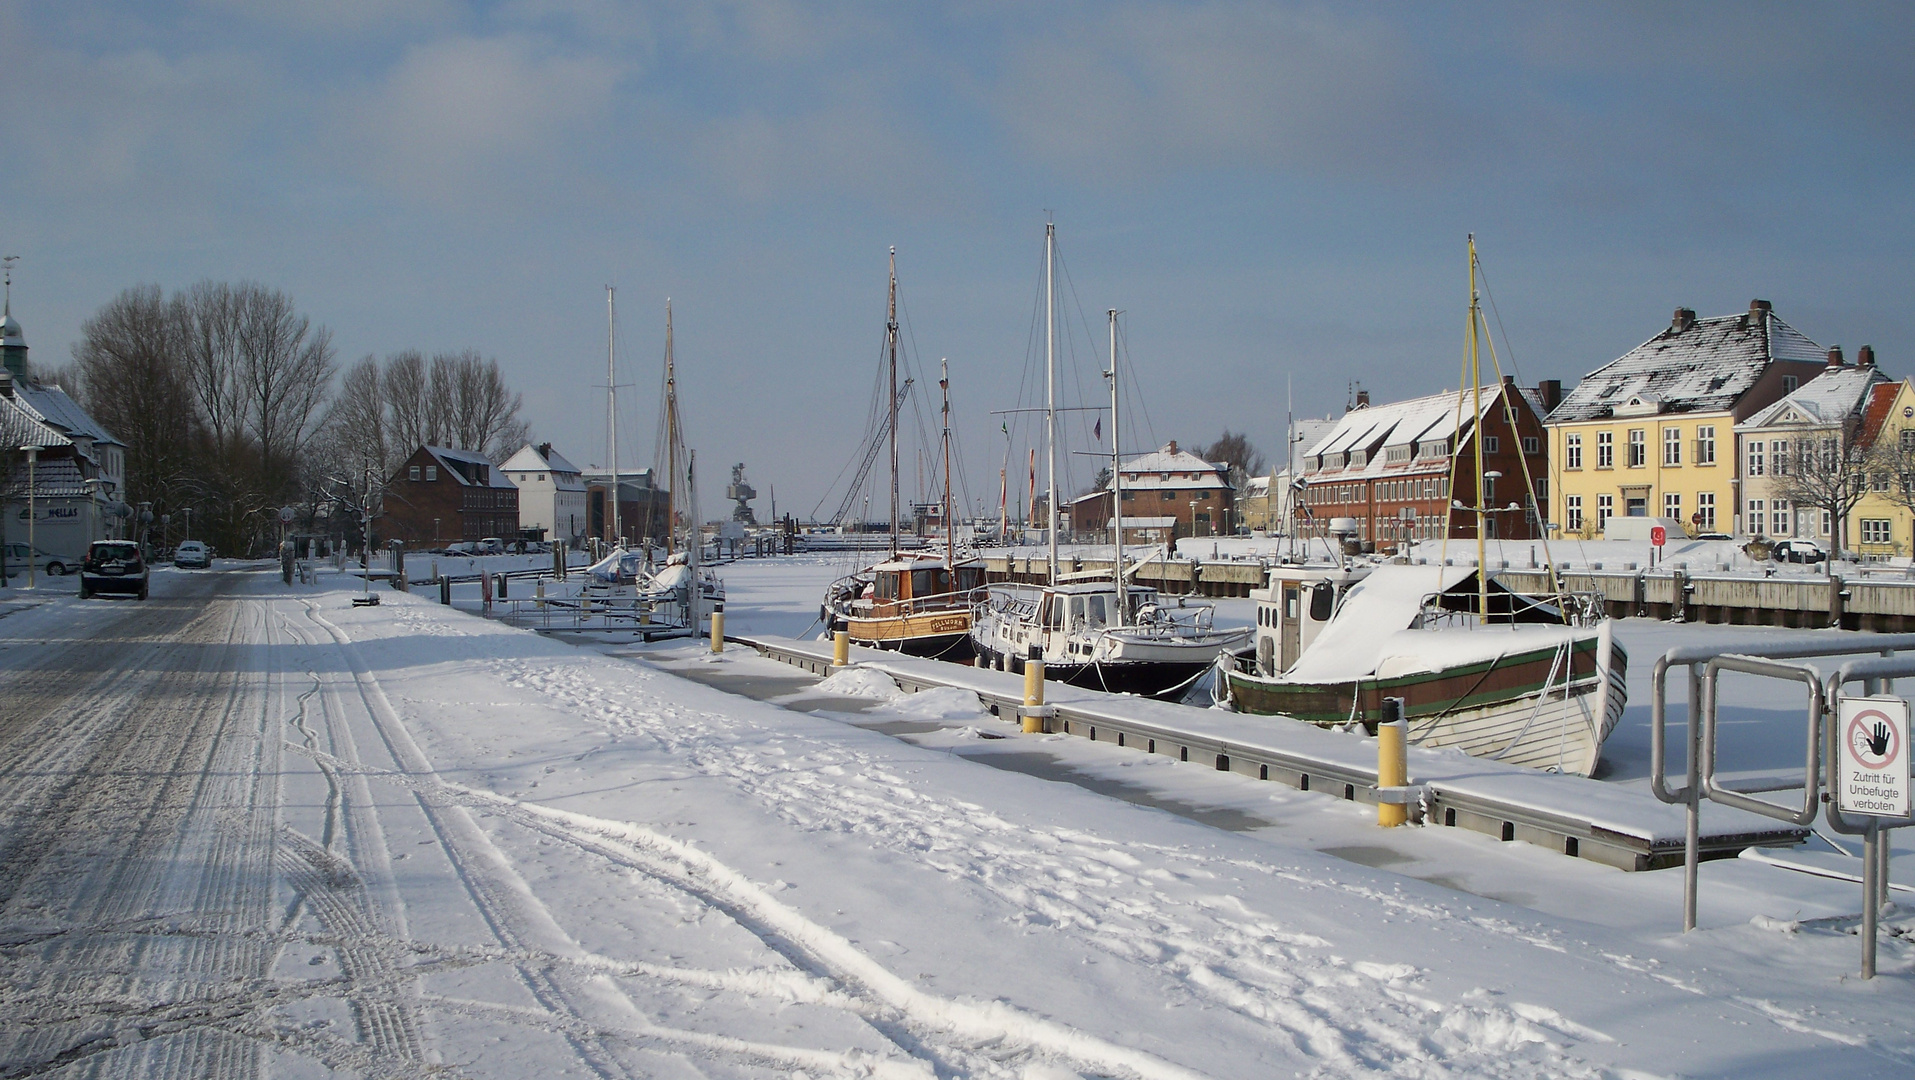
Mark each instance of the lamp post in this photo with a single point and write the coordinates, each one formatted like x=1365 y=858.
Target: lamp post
x=33 y=457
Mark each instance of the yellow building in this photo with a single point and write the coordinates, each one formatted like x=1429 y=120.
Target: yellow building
x=1652 y=433
x=1878 y=525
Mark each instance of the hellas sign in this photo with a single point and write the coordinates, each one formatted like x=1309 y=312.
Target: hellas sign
x=1872 y=756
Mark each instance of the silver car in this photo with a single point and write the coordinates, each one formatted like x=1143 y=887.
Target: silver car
x=43 y=562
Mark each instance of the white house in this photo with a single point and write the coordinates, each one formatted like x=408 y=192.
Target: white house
x=551 y=492
x=73 y=483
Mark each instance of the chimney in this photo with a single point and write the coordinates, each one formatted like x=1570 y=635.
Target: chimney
x=1362 y=399
x=1835 y=356
x=1865 y=356
x=1760 y=307
x=1683 y=320
x=1551 y=391
x=545 y=450
x=1172 y=448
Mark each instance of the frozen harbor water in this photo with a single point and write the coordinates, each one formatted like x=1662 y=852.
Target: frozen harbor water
x=372 y=841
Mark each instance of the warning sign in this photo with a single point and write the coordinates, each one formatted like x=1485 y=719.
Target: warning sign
x=1872 y=744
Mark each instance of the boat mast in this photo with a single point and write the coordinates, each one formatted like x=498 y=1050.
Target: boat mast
x=891 y=346
x=1050 y=392
x=611 y=406
x=950 y=533
x=1476 y=439
x=671 y=438
x=1116 y=483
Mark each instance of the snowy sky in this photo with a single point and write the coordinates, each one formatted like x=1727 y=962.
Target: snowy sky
x=1270 y=191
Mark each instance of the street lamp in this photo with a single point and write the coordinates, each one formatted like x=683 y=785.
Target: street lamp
x=33 y=456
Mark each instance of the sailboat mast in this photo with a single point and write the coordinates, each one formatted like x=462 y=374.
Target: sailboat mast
x=611 y=406
x=671 y=438
x=1050 y=391
x=891 y=347
x=950 y=533
x=1116 y=482
x=1476 y=439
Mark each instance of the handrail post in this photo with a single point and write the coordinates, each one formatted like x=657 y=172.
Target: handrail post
x=1692 y=796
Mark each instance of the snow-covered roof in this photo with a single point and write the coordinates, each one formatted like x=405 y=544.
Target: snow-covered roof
x=53 y=478
x=1700 y=366
x=1184 y=470
x=21 y=426
x=1411 y=423
x=565 y=475
x=1829 y=398
x=460 y=463
x=54 y=406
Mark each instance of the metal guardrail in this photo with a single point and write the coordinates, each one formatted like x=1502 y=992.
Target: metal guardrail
x=1820 y=771
x=590 y=615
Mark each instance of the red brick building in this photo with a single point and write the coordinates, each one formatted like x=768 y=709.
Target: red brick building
x=440 y=495
x=1167 y=493
x=1388 y=466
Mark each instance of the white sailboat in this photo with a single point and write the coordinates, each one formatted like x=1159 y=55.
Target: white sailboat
x=673 y=599
x=1093 y=630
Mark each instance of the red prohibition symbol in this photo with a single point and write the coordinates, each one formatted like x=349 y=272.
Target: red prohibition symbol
x=1873 y=740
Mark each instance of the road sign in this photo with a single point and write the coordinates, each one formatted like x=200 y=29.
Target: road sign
x=1872 y=754
x=1658 y=535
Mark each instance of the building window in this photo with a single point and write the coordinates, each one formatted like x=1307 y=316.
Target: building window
x=1672 y=446
x=432 y=473
x=1542 y=488
x=1638 y=448
x=1781 y=518
x=412 y=474
x=1573 y=512
x=1532 y=445
x=1908 y=440
x=1779 y=456
x=1875 y=531
x=1706 y=510
x=1789 y=383
x=1572 y=451
x=1605 y=450
x=1491 y=444
x=1755 y=516
x=1705 y=444
x=1605 y=509
x=1672 y=505
x=1755 y=459
x=1825 y=523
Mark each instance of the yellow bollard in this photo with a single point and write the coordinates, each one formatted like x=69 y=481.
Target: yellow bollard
x=718 y=629
x=1392 y=765
x=538 y=590
x=840 y=648
x=1034 y=694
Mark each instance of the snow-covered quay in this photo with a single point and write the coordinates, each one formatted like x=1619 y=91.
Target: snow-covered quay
x=248 y=829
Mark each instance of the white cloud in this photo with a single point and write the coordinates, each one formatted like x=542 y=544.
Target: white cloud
x=456 y=111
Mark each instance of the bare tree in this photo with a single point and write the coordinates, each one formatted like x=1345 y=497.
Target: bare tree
x=209 y=318
x=133 y=378
x=286 y=369
x=1234 y=450
x=1829 y=471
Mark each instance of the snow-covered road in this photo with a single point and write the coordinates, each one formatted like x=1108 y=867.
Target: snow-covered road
x=247 y=830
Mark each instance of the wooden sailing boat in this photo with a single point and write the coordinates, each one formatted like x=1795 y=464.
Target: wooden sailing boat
x=1529 y=680
x=917 y=602
x=1093 y=631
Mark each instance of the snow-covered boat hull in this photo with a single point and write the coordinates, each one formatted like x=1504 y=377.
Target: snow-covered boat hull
x=1518 y=707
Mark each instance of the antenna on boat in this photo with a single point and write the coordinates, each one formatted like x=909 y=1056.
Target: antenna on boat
x=611 y=406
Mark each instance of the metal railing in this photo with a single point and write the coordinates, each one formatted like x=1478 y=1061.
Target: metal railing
x=1768 y=659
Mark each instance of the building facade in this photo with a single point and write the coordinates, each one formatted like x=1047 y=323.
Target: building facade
x=1882 y=525
x=1817 y=426
x=642 y=505
x=1168 y=493
x=70 y=490
x=440 y=495
x=1652 y=433
x=1389 y=467
x=552 y=497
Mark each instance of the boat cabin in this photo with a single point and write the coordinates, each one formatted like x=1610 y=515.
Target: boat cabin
x=905 y=583
x=1293 y=608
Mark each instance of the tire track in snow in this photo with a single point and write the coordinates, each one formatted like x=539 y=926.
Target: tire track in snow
x=1348 y=1018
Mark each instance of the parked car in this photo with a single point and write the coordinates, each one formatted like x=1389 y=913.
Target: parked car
x=491 y=545
x=43 y=562
x=1714 y=536
x=113 y=566
x=192 y=555
x=1797 y=551
x=463 y=547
